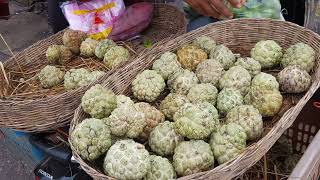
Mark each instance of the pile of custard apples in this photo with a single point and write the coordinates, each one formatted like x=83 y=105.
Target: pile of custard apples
x=78 y=43
x=194 y=109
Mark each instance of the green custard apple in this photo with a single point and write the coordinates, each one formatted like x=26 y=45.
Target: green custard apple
x=223 y=55
x=50 y=76
x=172 y=103
x=167 y=65
x=91 y=139
x=228 y=99
x=236 y=77
x=161 y=168
x=148 y=85
x=210 y=71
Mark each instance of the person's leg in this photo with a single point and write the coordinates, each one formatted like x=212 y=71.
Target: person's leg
x=56 y=19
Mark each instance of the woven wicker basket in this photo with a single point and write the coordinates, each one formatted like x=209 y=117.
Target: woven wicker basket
x=43 y=113
x=240 y=35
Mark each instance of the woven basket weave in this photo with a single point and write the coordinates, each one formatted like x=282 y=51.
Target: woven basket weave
x=240 y=36
x=47 y=113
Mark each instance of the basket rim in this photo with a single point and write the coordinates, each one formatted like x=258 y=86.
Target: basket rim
x=74 y=91
x=276 y=131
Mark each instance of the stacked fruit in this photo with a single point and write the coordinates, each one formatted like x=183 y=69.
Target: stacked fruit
x=214 y=107
x=75 y=43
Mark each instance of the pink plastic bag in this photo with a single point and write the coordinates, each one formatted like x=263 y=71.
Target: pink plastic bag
x=95 y=17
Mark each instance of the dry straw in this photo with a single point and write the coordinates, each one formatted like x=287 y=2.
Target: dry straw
x=240 y=35
x=25 y=106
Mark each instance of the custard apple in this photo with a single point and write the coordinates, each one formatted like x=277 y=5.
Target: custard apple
x=251 y=65
x=72 y=39
x=58 y=54
x=248 y=118
x=190 y=56
x=205 y=43
x=171 y=104
x=127 y=120
x=209 y=71
x=75 y=78
x=267 y=101
x=103 y=46
x=268 y=53
x=115 y=56
x=163 y=139
x=228 y=99
x=236 y=77
x=50 y=76
x=223 y=55
x=181 y=82
x=292 y=79
x=94 y=75
x=196 y=121
x=153 y=117
x=301 y=55
x=203 y=93
x=91 y=138
x=265 y=81
x=167 y=65
x=161 y=168
x=99 y=101
x=148 y=85
x=192 y=157
x=127 y=160
x=88 y=47
x=228 y=142
x=124 y=100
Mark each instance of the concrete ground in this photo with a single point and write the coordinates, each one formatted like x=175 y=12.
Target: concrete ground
x=20 y=31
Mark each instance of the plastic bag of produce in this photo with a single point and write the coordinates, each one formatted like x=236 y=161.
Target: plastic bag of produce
x=95 y=17
x=259 y=9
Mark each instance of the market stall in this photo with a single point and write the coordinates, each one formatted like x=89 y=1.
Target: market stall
x=145 y=99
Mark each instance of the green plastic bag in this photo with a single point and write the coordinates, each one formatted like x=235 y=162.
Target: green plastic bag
x=258 y=9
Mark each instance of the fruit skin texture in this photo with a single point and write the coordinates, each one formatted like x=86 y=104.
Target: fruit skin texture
x=192 y=156
x=50 y=76
x=228 y=99
x=203 y=93
x=224 y=55
x=153 y=117
x=127 y=160
x=268 y=102
x=72 y=39
x=209 y=71
x=190 y=56
x=251 y=65
x=228 y=142
x=124 y=100
x=161 y=168
x=58 y=54
x=103 y=47
x=292 y=79
x=181 y=82
x=91 y=138
x=148 y=85
x=126 y=120
x=248 y=118
x=115 y=56
x=268 y=53
x=265 y=81
x=167 y=65
x=98 y=101
x=236 y=77
x=87 y=47
x=205 y=43
x=75 y=78
x=172 y=103
x=301 y=55
x=196 y=121
x=163 y=139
